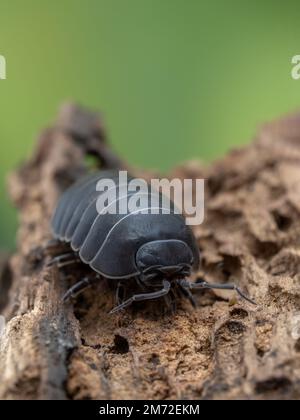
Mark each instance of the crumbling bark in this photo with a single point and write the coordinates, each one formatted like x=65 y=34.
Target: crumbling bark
x=222 y=349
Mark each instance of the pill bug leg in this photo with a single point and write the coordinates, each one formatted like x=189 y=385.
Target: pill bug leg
x=63 y=260
x=73 y=261
x=204 y=285
x=187 y=294
x=173 y=301
x=120 y=293
x=55 y=248
x=168 y=304
x=145 y=296
x=79 y=287
x=60 y=253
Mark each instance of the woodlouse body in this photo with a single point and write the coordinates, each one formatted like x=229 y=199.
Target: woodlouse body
x=157 y=250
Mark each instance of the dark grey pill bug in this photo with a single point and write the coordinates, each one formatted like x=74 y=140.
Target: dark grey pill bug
x=151 y=246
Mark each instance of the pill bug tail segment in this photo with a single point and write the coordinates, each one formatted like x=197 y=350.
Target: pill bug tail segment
x=144 y=296
x=204 y=285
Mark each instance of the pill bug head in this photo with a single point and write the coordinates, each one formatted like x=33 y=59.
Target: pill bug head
x=168 y=259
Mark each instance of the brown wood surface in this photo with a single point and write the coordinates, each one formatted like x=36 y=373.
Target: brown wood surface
x=225 y=348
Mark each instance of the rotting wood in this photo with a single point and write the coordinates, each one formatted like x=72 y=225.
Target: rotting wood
x=223 y=349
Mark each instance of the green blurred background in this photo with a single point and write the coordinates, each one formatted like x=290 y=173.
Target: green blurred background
x=175 y=79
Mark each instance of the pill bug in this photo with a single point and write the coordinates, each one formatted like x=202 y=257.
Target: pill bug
x=158 y=251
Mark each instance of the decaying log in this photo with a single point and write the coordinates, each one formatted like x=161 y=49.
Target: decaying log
x=225 y=348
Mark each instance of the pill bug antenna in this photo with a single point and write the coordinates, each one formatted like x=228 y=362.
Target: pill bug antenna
x=204 y=285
